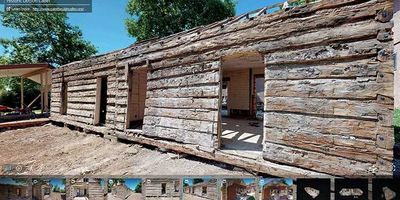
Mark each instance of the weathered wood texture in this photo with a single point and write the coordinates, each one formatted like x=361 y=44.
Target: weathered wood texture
x=80 y=78
x=327 y=104
x=162 y=188
x=328 y=86
x=182 y=105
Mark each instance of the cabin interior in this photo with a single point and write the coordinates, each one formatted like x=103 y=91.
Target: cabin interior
x=242 y=105
x=137 y=84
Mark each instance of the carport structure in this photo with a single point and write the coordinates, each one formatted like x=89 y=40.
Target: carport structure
x=39 y=73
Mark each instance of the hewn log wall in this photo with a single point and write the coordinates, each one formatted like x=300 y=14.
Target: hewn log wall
x=329 y=85
x=183 y=103
x=329 y=104
x=153 y=188
x=80 y=78
x=396 y=29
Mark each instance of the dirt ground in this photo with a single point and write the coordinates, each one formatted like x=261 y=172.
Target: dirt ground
x=192 y=197
x=55 y=196
x=133 y=196
x=53 y=150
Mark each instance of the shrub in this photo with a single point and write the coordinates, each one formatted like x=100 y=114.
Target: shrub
x=397 y=125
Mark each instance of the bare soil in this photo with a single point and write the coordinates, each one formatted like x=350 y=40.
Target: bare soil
x=53 y=150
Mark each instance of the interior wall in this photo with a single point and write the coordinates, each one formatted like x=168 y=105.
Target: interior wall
x=137 y=99
x=238 y=89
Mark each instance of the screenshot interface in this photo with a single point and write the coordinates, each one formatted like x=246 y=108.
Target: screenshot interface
x=199 y=100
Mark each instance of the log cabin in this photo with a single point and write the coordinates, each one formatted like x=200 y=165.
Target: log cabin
x=238 y=189
x=41 y=190
x=301 y=92
x=15 y=189
x=162 y=189
x=89 y=188
x=203 y=190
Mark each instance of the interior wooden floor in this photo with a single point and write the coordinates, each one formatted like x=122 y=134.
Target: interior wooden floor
x=242 y=137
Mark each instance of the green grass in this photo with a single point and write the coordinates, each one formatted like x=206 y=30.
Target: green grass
x=397 y=125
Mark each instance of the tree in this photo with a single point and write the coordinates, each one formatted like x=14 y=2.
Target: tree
x=138 y=188
x=10 y=91
x=158 y=18
x=45 y=37
x=197 y=180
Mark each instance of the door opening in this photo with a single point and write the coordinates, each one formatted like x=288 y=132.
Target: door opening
x=101 y=101
x=64 y=98
x=242 y=105
x=137 y=82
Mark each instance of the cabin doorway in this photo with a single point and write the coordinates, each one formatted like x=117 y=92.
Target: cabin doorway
x=101 y=101
x=137 y=83
x=242 y=105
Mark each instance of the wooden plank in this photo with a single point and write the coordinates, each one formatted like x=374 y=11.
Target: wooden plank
x=81 y=106
x=184 y=81
x=329 y=88
x=330 y=52
x=347 y=32
x=72 y=121
x=194 y=114
x=24 y=123
x=81 y=99
x=80 y=113
x=328 y=70
x=183 y=70
x=327 y=107
x=194 y=91
x=313 y=124
x=179 y=135
x=318 y=161
x=209 y=127
x=82 y=87
x=351 y=148
x=202 y=103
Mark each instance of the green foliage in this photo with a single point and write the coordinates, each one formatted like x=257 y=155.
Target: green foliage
x=45 y=37
x=301 y=2
x=159 y=18
x=251 y=198
x=197 y=180
x=10 y=92
x=138 y=188
x=397 y=125
x=56 y=188
x=3 y=60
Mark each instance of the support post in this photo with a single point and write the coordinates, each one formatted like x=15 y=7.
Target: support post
x=22 y=92
x=41 y=93
x=46 y=92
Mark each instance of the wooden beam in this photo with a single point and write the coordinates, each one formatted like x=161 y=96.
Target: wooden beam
x=97 y=110
x=41 y=94
x=46 y=92
x=24 y=66
x=36 y=72
x=22 y=92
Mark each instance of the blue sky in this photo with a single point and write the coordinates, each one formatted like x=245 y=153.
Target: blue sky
x=12 y=181
x=105 y=28
x=189 y=181
x=57 y=182
x=248 y=181
x=268 y=180
x=132 y=183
